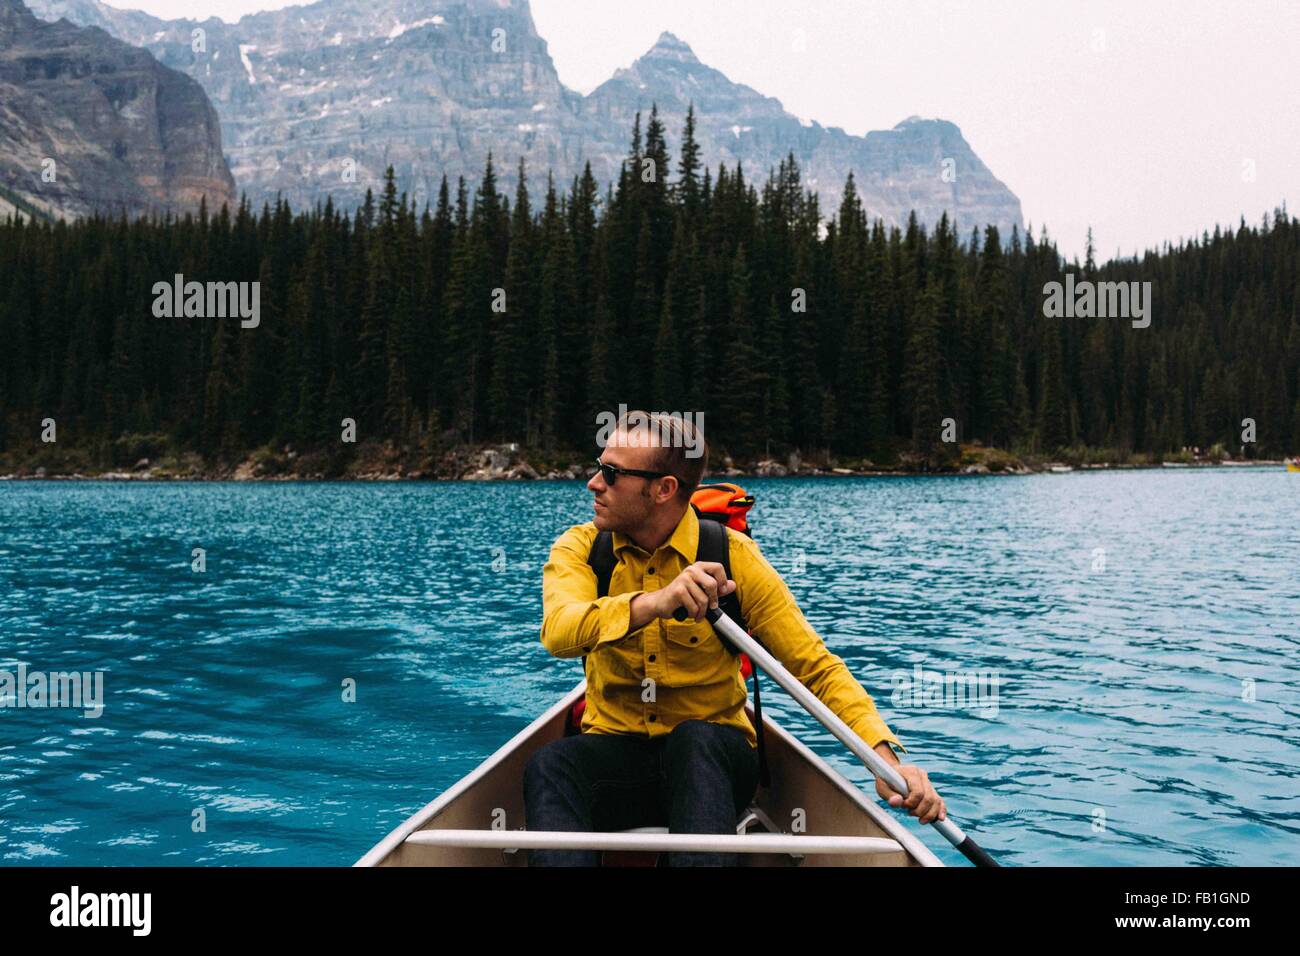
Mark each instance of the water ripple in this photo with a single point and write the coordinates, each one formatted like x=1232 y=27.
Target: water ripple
x=1142 y=627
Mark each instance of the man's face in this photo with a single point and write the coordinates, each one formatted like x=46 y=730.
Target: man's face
x=627 y=504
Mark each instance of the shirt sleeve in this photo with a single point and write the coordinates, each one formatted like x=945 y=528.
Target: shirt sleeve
x=775 y=619
x=574 y=620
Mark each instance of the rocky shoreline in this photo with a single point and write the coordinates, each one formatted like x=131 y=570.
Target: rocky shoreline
x=510 y=462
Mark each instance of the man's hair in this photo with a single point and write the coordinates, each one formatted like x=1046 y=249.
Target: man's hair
x=677 y=434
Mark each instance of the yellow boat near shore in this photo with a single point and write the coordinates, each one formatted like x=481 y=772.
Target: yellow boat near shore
x=1293 y=464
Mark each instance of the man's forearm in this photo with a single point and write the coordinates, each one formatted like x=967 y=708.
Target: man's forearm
x=577 y=628
x=643 y=609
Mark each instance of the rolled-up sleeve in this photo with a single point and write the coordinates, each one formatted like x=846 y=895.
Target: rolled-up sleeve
x=775 y=619
x=574 y=620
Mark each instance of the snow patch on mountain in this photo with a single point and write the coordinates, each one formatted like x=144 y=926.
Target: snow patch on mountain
x=244 y=50
x=401 y=28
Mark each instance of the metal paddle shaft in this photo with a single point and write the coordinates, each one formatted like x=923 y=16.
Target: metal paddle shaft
x=831 y=721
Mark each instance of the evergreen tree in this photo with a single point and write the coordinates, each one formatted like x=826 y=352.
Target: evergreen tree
x=688 y=169
x=925 y=376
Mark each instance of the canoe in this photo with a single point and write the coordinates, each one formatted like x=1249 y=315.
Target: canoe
x=1293 y=464
x=479 y=820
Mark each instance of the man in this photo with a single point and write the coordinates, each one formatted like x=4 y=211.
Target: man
x=665 y=737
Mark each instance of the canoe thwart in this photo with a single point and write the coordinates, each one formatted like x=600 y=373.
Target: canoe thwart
x=656 y=842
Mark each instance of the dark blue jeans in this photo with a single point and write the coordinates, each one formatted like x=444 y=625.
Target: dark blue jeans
x=697 y=779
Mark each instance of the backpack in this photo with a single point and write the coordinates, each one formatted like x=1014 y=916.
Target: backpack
x=718 y=507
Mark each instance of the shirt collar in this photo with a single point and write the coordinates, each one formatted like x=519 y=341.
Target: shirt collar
x=685 y=539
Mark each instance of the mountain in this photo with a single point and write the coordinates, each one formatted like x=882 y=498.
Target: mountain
x=896 y=171
x=89 y=123
x=319 y=99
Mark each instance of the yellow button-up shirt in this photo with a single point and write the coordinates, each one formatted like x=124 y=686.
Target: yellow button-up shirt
x=649 y=681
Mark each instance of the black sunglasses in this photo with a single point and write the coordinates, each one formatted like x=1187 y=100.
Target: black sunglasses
x=611 y=472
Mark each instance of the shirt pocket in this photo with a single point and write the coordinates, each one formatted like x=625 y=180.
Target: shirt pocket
x=695 y=655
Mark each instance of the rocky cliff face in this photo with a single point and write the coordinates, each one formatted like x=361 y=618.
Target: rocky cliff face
x=89 y=123
x=319 y=99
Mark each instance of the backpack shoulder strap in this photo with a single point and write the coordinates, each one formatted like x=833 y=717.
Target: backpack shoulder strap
x=602 y=561
x=715 y=546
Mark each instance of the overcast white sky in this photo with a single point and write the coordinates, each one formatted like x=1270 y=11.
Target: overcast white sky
x=1146 y=119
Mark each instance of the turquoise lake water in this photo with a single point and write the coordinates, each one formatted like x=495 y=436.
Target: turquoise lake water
x=1142 y=627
